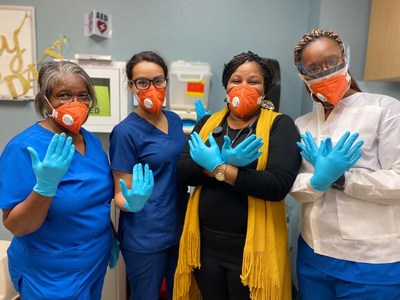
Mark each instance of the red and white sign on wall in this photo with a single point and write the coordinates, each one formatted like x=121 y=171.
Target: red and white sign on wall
x=98 y=23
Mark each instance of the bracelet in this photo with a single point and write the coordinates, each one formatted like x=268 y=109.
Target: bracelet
x=339 y=183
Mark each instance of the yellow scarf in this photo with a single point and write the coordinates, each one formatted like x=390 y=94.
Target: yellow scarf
x=265 y=268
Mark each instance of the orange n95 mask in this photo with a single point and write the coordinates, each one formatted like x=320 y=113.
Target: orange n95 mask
x=152 y=99
x=244 y=99
x=330 y=88
x=70 y=115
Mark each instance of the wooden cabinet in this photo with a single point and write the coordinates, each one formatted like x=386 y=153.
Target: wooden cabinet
x=383 y=51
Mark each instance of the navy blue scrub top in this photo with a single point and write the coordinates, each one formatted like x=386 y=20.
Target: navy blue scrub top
x=159 y=224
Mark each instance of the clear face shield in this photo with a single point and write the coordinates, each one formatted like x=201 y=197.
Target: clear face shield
x=327 y=75
x=334 y=61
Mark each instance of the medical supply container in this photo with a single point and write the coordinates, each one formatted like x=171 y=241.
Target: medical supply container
x=188 y=82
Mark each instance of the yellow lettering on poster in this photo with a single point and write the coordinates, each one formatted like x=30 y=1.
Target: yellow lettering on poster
x=19 y=80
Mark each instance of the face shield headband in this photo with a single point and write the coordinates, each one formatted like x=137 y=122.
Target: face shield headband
x=336 y=61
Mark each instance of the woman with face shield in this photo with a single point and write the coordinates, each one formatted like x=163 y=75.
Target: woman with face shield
x=242 y=161
x=151 y=219
x=350 y=236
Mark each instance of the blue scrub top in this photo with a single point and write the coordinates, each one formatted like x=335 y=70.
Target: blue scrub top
x=159 y=224
x=73 y=244
x=80 y=210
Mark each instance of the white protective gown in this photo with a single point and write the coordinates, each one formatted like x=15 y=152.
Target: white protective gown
x=361 y=223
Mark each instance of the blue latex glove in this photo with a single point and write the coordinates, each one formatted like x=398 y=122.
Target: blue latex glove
x=55 y=164
x=114 y=249
x=330 y=163
x=244 y=153
x=142 y=187
x=207 y=157
x=114 y=253
x=309 y=150
x=200 y=109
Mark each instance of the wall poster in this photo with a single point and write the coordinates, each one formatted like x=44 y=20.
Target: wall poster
x=18 y=73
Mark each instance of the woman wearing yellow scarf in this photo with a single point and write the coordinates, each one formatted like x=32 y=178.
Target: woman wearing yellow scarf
x=242 y=161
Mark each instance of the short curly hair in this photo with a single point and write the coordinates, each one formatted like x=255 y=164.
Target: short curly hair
x=238 y=60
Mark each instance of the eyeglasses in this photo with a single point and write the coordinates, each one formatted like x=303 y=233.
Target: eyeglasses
x=333 y=59
x=144 y=83
x=327 y=64
x=67 y=99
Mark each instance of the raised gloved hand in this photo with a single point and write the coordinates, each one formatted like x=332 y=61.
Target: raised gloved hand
x=330 y=163
x=142 y=187
x=55 y=164
x=244 y=153
x=309 y=150
x=200 y=109
x=207 y=157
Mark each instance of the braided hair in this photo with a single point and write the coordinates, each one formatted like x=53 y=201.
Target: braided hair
x=238 y=60
x=311 y=37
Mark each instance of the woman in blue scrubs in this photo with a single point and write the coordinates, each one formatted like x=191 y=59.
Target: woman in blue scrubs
x=150 y=135
x=55 y=193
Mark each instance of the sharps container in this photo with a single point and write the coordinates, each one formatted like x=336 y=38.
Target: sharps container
x=188 y=82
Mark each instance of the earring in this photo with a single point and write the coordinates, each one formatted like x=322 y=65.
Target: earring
x=267 y=104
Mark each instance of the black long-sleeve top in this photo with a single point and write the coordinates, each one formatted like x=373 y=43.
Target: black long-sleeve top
x=223 y=208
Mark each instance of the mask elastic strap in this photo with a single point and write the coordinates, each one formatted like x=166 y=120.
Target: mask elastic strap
x=348 y=77
x=135 y=97
x=54 y=113
x=321 y=101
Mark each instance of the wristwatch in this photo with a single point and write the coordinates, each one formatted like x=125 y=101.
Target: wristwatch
x=339 y=184
x=220 y=175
